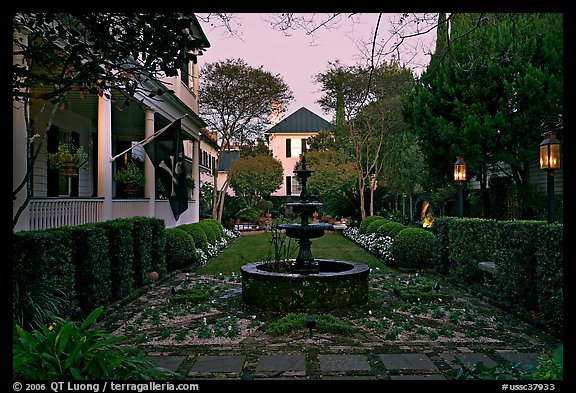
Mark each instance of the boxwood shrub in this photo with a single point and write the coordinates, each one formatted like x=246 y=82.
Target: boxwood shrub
x=391 y=229
x=197 y=232
x=180 y=249
x=414 y=248
x=367 y=221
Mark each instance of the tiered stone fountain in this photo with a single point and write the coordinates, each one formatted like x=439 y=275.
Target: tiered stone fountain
x=307 y=284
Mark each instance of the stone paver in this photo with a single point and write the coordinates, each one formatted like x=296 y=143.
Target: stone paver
x=168 y=362
x=524 y=358
x=281 y=363
x=218 y=364
x=468 y=359
x=343 y=362
x=407 y=361
x=419 y=377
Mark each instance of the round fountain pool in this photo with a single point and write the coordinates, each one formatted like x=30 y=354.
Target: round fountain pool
x=337 y=285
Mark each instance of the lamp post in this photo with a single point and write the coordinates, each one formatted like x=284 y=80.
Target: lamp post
x=460 y=177
x=550 y=160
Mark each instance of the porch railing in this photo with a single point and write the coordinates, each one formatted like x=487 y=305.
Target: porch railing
x=48 y=213
x=56 y=212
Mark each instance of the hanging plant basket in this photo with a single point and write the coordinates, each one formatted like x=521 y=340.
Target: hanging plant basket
x=130 y=187
x=70 y=169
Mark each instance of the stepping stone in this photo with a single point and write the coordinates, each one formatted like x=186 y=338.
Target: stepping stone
x=423 y=377
x=407 y=361
x=524 y=358
x=168 y=362
x=218 y=364
x=343 y=362
x=468 y=359
x=281 y=363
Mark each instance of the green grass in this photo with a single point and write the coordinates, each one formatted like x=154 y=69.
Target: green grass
x=256 y=248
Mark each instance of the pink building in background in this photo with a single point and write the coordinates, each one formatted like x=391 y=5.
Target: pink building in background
x=288 y=138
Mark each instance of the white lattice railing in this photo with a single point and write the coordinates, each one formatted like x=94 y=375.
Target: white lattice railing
x=56 y=212
x=48 y=213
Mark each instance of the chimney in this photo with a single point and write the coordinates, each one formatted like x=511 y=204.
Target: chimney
x=276 y=112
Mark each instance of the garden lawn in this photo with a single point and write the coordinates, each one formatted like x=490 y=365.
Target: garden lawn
x=254 y=248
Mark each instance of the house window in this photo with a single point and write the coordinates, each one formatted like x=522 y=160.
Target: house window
x=303 y=144
x=295 y=149
x=296 y=186
x=185 y=74
x=293 y=186
x=288 y=185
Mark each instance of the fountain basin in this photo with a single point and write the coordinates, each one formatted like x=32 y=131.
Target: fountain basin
x=337 y=285
x=310 y=231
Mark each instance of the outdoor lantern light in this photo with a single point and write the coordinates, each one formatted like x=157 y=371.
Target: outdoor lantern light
x=550 y=160
x=460 y=177
x=550 y=152
x=460 y=169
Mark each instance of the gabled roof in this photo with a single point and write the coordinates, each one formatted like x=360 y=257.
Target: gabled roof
x=303 y=120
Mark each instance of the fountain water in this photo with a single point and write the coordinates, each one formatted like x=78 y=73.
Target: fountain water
x=308 y=284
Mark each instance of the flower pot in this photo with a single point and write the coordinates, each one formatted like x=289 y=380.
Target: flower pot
x=70 y=169
x=130 y=188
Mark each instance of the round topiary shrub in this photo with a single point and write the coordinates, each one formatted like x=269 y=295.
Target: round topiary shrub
x=209 y=231
x=367 y=221
x=414 y=248
x=180 y=249
x=216 y=226
x=391 y=229
x=375 y=224
x=197 y=233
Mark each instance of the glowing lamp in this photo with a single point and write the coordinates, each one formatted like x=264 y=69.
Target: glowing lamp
x=550 y=152
x=460 y=169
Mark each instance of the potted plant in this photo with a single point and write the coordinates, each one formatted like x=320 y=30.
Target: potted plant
x=68 y=158
x=131 y=177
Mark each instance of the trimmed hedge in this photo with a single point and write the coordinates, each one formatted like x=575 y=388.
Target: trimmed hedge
x=367 y=221
x=44 y=256
x=440 y=229
x=516 y=263
x=197 y=232
x=550 y=277
x=119 y=234
x=43 y=275
x=142 y=233
x=92 y=262
x=209 y=231
x=216 y=226
x=180 y=249
x=414 y=248
x=158 y=253
x=375 y=225
x=472 y=240
x=391 y=229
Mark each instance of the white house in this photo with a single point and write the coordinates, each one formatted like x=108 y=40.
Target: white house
x=105 y=129
x=288 y=138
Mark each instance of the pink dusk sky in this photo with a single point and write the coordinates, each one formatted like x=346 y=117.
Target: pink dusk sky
x=299 y=57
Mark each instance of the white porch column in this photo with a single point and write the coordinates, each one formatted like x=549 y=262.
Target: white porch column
x=104 y=155
x=149 y=172
x=19 y=155
x=196 y=177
